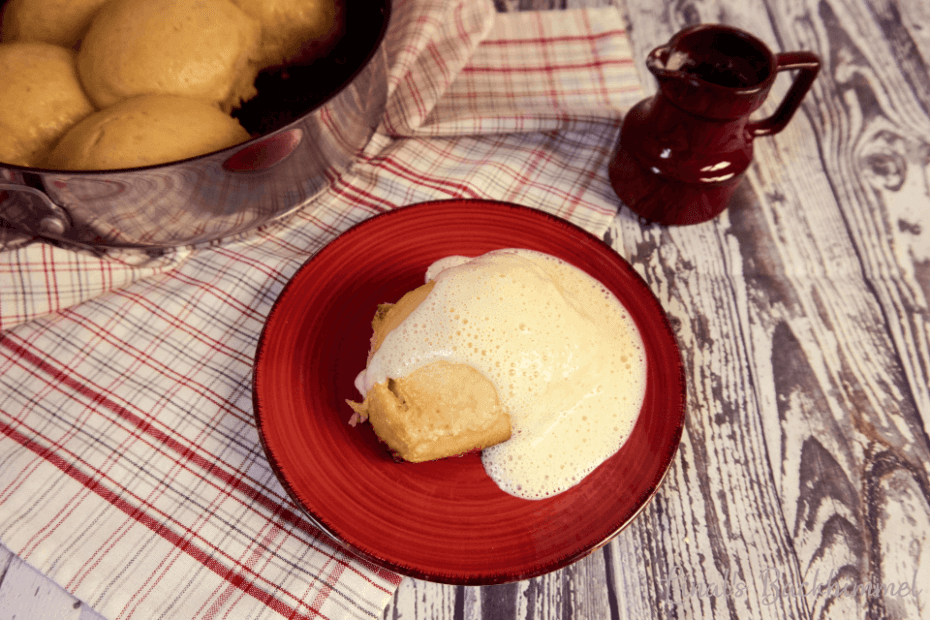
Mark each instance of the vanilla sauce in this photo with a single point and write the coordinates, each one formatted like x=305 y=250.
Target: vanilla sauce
x=563 y=353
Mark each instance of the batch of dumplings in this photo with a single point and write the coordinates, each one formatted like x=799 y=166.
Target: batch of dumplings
x=109 y=84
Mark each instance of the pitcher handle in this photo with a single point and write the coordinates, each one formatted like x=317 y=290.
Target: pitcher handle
x=807 y=64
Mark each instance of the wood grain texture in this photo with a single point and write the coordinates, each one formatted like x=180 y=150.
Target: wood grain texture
x=26 y=593
x=801 y=486
x=823 y=305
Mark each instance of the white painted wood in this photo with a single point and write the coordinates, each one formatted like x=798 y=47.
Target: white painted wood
x=830 y=315
x=26 y=594
x=6 y=557
x=89 y=614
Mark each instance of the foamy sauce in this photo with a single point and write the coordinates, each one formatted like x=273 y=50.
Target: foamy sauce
x=563 y=353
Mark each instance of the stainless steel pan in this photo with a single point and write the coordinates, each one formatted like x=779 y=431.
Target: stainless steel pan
x=310 y=122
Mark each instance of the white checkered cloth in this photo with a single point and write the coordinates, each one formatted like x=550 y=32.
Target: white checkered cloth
x=130 y=467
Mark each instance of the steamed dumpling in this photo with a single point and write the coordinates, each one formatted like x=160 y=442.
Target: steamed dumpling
x=203 y=49
x=59 y=22
x=40 y=100
x=144 y=131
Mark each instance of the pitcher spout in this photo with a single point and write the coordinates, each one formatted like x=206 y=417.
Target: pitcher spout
x=667 y=64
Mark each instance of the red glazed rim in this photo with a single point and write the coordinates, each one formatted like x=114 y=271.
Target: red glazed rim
x=443 y=521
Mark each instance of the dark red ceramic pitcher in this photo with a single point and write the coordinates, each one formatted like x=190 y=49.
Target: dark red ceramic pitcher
x=682 y=153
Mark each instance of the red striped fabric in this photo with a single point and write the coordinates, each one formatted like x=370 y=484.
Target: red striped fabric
x=130 y=468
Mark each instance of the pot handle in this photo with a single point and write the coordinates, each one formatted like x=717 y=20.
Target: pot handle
x=31 y=211
x=807 y=64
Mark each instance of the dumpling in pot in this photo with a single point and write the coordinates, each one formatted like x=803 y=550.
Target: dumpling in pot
x=59 y=22
x=145 y=131
x=203 y=49
x=40 y=100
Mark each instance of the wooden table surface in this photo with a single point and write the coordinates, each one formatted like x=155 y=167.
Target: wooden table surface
x=802 y=485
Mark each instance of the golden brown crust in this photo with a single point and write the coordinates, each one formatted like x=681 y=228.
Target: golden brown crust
x=59 y=22
x=203 y=49
x=440 y=410
x=144 y=131
x=41 y=99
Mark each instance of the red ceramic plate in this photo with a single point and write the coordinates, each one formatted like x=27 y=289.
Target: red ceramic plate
x=445 y=520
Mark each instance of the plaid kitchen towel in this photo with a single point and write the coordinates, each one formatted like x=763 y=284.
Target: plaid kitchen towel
x=130 y=467
x=536 y=71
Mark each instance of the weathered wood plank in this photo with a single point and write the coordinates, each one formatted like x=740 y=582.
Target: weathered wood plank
x=87 y=614
x=578 y=591
x=6 y=557
x=714 y=497
x=812 y=341
x=423 y=599
x=26 y=594
x=871 y=126
x=51 y=601
x=880 y=99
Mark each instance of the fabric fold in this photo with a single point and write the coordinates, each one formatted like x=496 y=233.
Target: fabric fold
x=427 y=49
x=533 y=73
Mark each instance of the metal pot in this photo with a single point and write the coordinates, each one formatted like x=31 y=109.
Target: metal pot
x=310 y=122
